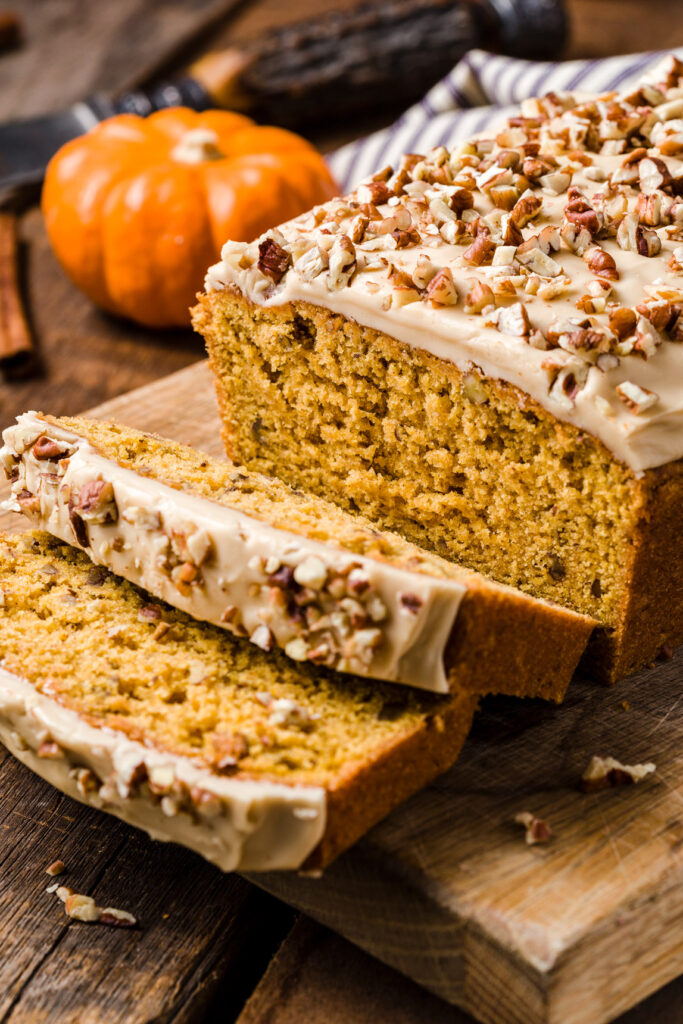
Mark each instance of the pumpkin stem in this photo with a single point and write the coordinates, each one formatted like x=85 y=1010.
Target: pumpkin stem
x=196 y=146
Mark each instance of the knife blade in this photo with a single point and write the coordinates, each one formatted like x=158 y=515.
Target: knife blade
x=328 y=68
x=27 y=146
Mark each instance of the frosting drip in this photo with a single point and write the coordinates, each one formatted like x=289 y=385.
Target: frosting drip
x=221 y=566
x=236 y=824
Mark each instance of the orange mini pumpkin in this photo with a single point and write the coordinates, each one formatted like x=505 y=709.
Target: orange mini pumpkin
x=138 y=208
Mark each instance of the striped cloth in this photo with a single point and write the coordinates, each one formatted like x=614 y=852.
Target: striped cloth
x=480 y=92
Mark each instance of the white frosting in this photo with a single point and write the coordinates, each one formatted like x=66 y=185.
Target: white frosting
x=409 y=618
x=237 y=825
x=642 y=438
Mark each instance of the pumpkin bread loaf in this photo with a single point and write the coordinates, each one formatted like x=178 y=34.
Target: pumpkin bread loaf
x=281 y=568
x=194 y=735
x=482 y=350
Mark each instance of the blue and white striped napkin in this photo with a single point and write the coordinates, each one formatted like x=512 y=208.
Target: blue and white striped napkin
x=480 y=92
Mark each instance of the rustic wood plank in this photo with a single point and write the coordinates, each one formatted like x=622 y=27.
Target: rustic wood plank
x=73 y=49
x=601 y=28
x=318 y=977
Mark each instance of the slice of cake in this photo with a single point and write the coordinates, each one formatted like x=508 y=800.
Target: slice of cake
x=179 y=728
x=282 y=568
x=482 y=350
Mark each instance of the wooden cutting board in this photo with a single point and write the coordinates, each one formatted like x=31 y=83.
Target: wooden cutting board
x=445 y=889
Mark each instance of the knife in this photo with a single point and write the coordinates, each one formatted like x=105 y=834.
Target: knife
x=380 y=56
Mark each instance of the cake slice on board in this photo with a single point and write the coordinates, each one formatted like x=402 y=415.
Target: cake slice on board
x=482 y=349
x=284 y=569
x=250 y=759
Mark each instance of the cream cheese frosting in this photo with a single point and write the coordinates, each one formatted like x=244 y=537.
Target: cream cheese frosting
x=571 y=218
x=229 y=566
x=244 y=825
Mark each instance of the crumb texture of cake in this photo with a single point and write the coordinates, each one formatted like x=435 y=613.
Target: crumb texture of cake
x=482 y=350
x=323 y=586
x=254 y=761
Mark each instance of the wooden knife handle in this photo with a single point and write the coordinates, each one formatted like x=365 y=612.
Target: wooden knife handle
x=380 y=56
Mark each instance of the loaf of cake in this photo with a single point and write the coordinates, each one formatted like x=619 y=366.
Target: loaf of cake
x=482 y=350
x=281 y=568
x=196 y=736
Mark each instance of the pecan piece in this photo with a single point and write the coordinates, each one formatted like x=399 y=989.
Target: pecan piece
x=525 y=209
x=637 y=399
x=79 y=527
x=29 y=503
x=410 y=602
x=441 y=290
x=342 y=262
x=375 y=192
x=622 y=321
x=648 y=242
x=601 y=263
x=653 y=174
x=479 y=297
x=603 y=772
x=580 y=213
x=47 y=448
x=481 y=250
x=514 y=320
x=273 y=260
x=461 y=200
x=96 y=502
x=537 y=830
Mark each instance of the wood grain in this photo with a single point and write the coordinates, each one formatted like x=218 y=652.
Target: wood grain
x=320 y=978
x=445 y=890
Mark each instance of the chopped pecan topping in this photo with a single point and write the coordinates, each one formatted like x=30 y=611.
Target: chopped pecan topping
x=580 y=213
x=636 y=398
x=479 y=297
x=601 y=263
x=648 y=242
x=47 y=448
x=273 y=260
x=525 y=209
x=342 y=262
x=79 y=528
x=482 y=248
x=653 y=174
x=96 y=502
x=622 y=321
x=441 y=290
x=375 y=192
x=50 y=750
x=462 y=199
x=514 y=320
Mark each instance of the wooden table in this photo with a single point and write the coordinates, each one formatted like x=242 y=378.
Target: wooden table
x=206 y=939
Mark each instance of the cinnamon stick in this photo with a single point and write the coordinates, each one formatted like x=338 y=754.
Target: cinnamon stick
x=15 y=337
x=10 y=30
